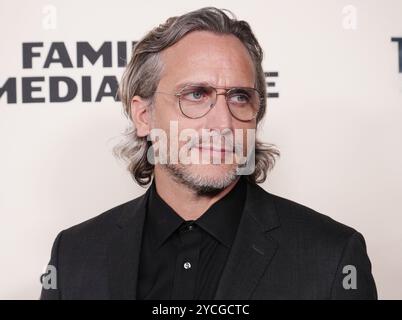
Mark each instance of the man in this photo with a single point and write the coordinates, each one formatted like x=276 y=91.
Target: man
x=204 y=230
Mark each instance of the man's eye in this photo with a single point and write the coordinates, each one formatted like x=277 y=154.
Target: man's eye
x=239 y=98
x=194 y=95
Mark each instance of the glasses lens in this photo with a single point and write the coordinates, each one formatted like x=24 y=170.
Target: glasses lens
x=244 y=103
x=195 y=101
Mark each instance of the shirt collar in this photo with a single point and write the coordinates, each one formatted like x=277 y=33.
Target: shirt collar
x=161 y=220
x=220 y=220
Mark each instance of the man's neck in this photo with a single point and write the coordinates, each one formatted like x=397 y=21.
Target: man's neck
x=184 y=201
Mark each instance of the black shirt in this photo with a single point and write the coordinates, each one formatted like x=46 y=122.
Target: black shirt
x=184 y=259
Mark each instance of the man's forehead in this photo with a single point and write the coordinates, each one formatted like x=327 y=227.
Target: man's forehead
x=206 y=57
x=199 y=45
x=177 y=79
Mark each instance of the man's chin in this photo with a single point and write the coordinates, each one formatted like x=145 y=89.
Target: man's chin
x=211 y=170
x=205 y=179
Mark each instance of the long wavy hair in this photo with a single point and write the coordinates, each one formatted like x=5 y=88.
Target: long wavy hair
x=142 y=75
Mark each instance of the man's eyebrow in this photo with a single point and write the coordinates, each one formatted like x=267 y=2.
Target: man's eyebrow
x=192 y=83
x=181 y=85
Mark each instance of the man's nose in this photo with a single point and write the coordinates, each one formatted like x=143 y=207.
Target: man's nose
x=220 y=116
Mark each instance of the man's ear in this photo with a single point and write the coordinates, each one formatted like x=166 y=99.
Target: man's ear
x=141 y=115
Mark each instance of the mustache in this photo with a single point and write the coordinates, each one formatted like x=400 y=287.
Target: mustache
x=219 y=143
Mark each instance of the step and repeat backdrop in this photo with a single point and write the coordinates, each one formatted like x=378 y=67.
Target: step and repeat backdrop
x=334 y=79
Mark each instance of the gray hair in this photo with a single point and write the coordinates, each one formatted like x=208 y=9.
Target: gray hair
x=142 y=75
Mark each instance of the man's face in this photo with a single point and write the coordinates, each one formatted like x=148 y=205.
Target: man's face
x=221 y=61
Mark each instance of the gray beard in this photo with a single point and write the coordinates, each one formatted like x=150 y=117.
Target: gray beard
x=201 y=186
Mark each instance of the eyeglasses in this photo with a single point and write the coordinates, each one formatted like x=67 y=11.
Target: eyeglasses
x=195 y=101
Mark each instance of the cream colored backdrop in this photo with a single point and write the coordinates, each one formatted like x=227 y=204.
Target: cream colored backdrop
x=337 y=121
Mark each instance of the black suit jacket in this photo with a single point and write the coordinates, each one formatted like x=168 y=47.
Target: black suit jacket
x=282 y=250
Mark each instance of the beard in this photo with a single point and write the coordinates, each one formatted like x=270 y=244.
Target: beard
x=202 y=186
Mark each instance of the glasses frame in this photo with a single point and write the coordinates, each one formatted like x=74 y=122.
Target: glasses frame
x=226 y=93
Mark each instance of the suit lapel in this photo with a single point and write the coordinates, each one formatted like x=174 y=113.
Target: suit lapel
x=124 y=250
x=253 y=248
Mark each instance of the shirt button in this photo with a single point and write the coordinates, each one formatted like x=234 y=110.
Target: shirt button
x=187 y=265
x=190 y=227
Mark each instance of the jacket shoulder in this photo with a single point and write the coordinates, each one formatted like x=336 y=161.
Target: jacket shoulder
x=314 y=249
x=103 y=223
x=301 y=220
